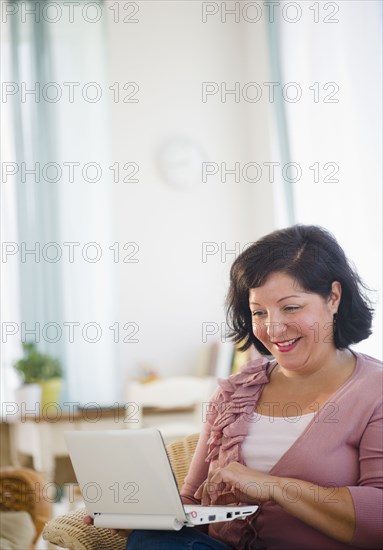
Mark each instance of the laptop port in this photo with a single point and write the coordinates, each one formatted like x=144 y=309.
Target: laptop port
x=237 y=513
x=229 y=515
x=211 y=518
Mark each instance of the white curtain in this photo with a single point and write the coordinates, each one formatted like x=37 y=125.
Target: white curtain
x=333 y=55
x=66 y=298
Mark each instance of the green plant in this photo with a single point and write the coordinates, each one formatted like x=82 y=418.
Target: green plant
x=36 y=366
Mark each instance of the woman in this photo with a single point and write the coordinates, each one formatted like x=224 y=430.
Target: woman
x=298 y=431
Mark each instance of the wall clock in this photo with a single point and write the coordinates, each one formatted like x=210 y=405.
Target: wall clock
x=180 y=161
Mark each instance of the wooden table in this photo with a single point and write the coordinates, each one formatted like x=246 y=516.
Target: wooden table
x=42 y=436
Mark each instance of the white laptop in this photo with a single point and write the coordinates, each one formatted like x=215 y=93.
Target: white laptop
x=127 y=482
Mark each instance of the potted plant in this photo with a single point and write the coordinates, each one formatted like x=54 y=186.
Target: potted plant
x=41 y=369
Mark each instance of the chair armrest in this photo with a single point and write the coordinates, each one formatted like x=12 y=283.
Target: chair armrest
x=69 y=531
x=22 y=489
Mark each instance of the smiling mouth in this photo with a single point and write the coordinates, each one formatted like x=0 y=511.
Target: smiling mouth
x=286 y=344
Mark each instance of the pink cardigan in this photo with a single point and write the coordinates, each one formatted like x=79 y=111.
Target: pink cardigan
x=341 y=446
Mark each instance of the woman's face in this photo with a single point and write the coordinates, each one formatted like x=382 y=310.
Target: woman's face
x=296 y=326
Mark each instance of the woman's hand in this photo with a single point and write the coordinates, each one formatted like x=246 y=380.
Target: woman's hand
x=236 y=483
x=88 y=520
x=328 y=509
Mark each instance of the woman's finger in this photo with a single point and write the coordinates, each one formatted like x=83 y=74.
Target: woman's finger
x=88 y=520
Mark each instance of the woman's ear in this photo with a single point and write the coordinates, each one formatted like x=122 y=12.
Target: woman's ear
x=335 y=295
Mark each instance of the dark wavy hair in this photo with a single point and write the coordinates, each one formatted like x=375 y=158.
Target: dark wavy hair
x=311 y=255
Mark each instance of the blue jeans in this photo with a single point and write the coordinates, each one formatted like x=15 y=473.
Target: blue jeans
x=188 y=538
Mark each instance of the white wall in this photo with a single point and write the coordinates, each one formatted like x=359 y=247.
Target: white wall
x=171 y=291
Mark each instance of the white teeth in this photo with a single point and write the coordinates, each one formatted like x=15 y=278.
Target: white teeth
x=287 y=343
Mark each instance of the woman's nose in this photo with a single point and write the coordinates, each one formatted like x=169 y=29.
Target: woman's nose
x=275 y=327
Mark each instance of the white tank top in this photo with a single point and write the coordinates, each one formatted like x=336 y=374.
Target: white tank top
x=269 y=438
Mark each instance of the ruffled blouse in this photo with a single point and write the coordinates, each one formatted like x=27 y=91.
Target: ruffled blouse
x=232 y=408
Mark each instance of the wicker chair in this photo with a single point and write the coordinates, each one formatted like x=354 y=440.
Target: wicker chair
x=70 y=532
x=22 y=489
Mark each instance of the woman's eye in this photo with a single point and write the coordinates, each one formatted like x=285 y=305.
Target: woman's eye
x=258 y=313
x=291 y=308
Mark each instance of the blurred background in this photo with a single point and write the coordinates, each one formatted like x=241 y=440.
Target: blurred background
x=145 y=144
